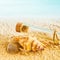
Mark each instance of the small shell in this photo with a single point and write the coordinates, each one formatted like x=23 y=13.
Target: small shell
x=18 y=27
x=34 y=46
x=12 y=48
x=28 y=46
x=25 y=28
x=21 y=28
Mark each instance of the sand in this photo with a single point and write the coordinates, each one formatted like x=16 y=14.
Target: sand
x=49 y=53
x=52 y=52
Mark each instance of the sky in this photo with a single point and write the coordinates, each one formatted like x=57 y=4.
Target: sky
x=30 y=8
x=34 y=9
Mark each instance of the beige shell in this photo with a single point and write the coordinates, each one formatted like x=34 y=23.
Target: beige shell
x=21 y=28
